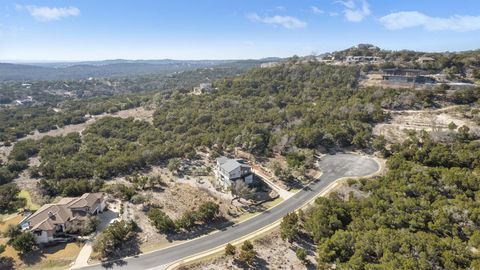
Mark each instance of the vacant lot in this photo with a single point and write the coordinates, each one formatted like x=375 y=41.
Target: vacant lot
x=432 y=121
x=273 y=253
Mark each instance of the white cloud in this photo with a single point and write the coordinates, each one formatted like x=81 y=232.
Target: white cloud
x=44 y=14
x=408 y=19
x=355 y=10
x=317 y=10
x=333 y=14
x=277 y=20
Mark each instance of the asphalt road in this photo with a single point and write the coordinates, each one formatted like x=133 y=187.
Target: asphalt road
x=333 y=167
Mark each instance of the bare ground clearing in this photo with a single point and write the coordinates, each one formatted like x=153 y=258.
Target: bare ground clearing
x=428 y=120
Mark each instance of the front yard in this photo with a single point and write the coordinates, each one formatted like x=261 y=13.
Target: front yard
x=56 y=257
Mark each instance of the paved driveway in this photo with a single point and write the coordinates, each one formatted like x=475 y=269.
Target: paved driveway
x=333 y=167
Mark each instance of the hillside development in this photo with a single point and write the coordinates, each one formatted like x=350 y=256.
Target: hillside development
x=227 y=162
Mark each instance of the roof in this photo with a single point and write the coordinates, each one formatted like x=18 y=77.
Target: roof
x=50 y=215
x=426 y=58
x=86 y=200
x=230 y=165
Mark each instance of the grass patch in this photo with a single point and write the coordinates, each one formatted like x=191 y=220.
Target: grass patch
x=56 y=257
x=30 y=204
x=12 y=219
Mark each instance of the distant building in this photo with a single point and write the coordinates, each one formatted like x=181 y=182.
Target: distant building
x=269 y=64
x=366 y=47
x=425 y=60
x=24 y=101
x=202 y=88
x=54 y=219
x=399 y=75
x=362 y=59
x=228 y=171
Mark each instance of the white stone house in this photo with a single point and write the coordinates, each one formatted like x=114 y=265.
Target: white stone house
x=228 y=171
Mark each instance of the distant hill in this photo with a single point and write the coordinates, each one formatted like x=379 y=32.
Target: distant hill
x=109 y=68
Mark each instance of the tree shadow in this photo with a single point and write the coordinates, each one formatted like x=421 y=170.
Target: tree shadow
x=129 y=248
x=220 y=223
x=32 y=257
x=259 y=263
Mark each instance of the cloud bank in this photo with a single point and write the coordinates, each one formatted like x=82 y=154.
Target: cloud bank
x=278 y=20
x=409 y=19
x=44 y=14
x=355 y=10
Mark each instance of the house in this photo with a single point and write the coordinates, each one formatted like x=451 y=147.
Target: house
x=425 y=60
x=362 y=59
x=399 y=75
x=202 y=88
x=229 y=171
x=52 y=219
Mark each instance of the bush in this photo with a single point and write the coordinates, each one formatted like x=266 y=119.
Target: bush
x=230 y=250
x=207 y=212
x=187 y=221
x=161 y=221
x=289 y=227
x=24 y=243
x=247 y=253
x=113 y=237
x=7 y=263
x=12 y=231
x=301 y=255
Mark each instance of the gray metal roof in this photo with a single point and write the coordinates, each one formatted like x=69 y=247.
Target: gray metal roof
x=222 y=160
x=230 y=165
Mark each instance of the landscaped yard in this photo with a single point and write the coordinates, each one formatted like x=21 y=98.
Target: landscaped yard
x=30 y=204
x=58 y=256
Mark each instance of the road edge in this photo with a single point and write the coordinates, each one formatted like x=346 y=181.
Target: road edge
x=257 y=234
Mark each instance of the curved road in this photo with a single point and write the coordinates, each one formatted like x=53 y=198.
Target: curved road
x=333 y=168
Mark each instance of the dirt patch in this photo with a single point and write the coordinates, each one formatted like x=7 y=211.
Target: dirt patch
x=432 y=121
x=137 y=113
x=272 y=253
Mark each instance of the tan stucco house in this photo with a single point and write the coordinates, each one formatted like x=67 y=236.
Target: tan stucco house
x=51 y=219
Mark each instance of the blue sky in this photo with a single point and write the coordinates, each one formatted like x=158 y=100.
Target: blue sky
x=229 y=29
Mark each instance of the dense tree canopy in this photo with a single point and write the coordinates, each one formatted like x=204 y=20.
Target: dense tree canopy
x=423 y=214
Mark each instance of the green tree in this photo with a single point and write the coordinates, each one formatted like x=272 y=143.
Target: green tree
x=247 y=253
x=301 y=255
x=230 y=250
x=174 y=165
x=161 y=221
x=186 y=221
x=12 y=231
x=24 y=243
x=207 y=212
x=289 y=228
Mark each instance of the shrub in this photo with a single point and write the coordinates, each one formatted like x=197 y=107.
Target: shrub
x=247 y=253
x=289 y=227
x=207 y=212
x=24 y=242
x=230 y=250
x=301 y=255
x=161 y=221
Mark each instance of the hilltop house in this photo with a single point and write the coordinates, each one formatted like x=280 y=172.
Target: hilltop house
x=362 y=59
x=52 y=219
x=229 y=171
x=425 y=60
x=202 y=89
x=409 y=76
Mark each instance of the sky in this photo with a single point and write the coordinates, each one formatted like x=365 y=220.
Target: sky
x=77 y=30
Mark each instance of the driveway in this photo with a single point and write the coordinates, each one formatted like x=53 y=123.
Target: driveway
x=106 y=218
x=333 y=167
